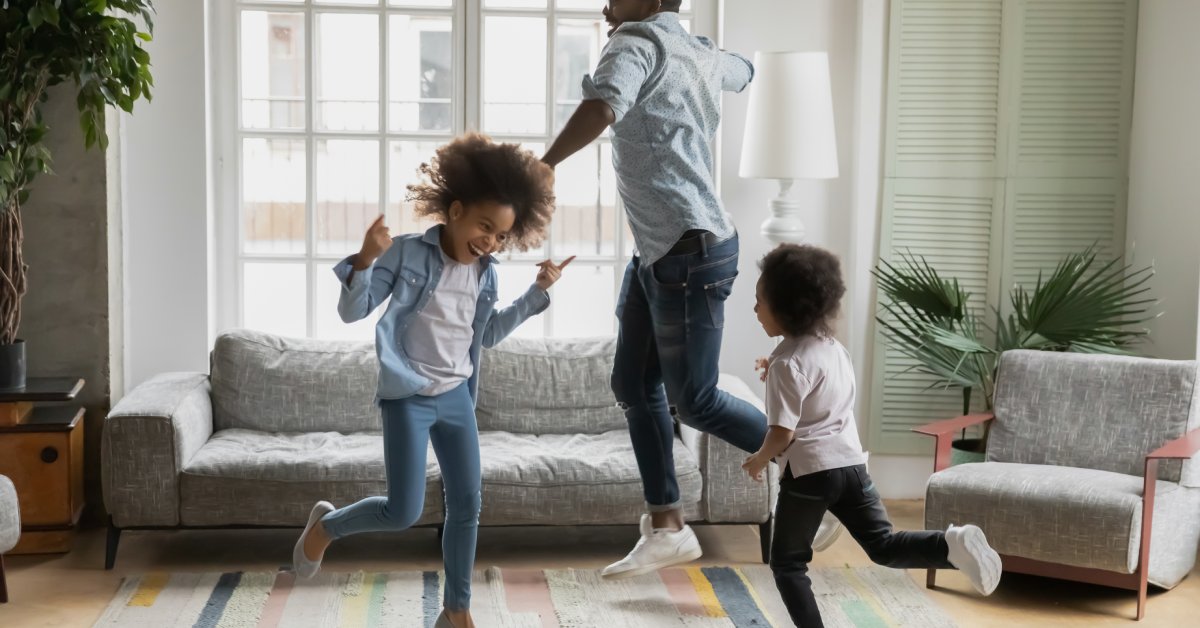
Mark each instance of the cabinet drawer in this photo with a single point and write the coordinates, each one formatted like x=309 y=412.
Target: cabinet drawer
x=44 y=467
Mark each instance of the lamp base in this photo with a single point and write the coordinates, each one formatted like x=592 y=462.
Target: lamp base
x=784 y=225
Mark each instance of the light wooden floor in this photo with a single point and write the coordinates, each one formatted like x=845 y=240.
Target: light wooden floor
x=73 y=589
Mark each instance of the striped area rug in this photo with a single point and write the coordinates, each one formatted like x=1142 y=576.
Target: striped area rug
x=696 y=597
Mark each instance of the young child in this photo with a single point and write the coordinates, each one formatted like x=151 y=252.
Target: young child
x=813 y=437
x=440 y=289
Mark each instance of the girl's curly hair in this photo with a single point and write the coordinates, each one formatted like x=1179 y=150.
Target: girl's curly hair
x=473 y=168
x=803 y=286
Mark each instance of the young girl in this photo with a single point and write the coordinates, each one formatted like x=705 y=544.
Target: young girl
x=813 y=437
x=442 y=289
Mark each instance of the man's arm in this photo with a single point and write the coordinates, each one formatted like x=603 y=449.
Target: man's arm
x=590 y=119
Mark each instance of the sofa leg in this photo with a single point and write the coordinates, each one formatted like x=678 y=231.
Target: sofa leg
x=441 y=530
x=1141 y=604
x=3 y=583
x=930 y=578
x=764 y=539
x=110 y=546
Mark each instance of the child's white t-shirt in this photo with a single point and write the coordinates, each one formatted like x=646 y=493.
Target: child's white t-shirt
x=810 y=389
x=438 y=342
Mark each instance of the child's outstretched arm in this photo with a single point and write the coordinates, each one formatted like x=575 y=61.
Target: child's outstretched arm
x=366 y=284
x=503 y=322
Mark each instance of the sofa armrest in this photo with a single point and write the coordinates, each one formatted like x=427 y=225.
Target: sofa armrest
x=729 y=495
x=148 y=438
x=1185 y=446
x=944 y=431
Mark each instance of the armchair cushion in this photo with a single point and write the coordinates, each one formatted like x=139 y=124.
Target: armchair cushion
x=1067 y=515
x=1093 y=411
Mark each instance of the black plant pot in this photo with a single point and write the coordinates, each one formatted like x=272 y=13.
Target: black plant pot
x=12 y=366
x=963 y=451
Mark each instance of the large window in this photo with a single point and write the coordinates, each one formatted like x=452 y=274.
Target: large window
x=328 y=107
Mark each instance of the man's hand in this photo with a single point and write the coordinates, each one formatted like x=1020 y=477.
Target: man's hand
x=612 y=21
x=755 y=465
x=550 y=273
x=764 y=365
x=375 y=242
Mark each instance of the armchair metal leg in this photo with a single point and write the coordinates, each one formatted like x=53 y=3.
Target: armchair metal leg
x=764 y=539
x=3 y=583
x=930 y=578
x=110 y=546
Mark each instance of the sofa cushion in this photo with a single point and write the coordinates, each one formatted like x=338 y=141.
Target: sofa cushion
x=10 y=515
x=571 y=479
x=1066 y=515
x=284 y=474
x=556 y=386
x=275 y=384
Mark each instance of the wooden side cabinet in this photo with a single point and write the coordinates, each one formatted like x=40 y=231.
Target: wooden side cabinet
x=43 y=456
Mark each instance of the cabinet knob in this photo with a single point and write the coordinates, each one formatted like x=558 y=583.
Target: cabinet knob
x=49 y=454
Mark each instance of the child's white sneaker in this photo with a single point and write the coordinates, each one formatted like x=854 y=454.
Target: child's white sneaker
x=971 y=554
x=827 y=533
x=657 y=549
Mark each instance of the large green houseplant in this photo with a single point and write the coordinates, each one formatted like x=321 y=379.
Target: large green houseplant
x=1084 y=305
x=97 y=46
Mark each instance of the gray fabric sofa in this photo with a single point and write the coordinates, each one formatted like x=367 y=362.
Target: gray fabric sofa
x=10 y=528
x=280 y=423
x=1064 y=490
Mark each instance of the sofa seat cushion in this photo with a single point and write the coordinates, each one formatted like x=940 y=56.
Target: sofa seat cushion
x=284 y=474
x=571 y=479
x=1065 y=515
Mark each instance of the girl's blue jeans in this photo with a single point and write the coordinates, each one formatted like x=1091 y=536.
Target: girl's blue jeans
x=408 y=424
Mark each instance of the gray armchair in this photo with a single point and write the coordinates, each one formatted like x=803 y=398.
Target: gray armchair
x=1089 y=458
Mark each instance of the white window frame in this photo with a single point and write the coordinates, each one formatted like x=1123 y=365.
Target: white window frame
x=227 y=256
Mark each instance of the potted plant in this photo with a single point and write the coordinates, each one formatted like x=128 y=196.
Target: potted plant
x=1084 y=305
x=95 y=44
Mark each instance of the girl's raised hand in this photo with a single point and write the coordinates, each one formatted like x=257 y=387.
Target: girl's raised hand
x=550 y=272
x=377 y=240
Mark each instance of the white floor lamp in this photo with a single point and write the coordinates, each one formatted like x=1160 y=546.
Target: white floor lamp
x=789 y=132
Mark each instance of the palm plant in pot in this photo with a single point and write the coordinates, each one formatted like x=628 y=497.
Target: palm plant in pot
x=1083 y=305
x=97 y=46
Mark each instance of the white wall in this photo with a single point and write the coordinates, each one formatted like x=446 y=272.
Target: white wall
x=1164 y=216
x=163 y=184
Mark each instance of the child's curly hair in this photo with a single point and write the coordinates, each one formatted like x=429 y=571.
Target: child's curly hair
x=473 y=168
x=803 y=286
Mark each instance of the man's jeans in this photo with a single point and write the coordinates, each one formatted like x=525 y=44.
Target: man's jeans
x=671 y=315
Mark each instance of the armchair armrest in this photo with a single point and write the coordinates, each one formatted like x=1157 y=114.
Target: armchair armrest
x=944 y=431
x=148 y=438
x=1185 y=446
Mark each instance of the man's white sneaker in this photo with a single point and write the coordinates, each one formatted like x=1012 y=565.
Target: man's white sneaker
x=829 y=532
x=657 y=549
x=971 y=554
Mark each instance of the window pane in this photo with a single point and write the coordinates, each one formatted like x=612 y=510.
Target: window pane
x=355 y=2
x=274 y=298
x=403 y=160
x=514 y=75
x=348 y=72
x=347 y=193
x=517 y=4
x=421 y=73
x=272 y=58
x=329 y=324
x=583 y=224
x=577 y=50
x=421 y=3
x=585 y=302
x=514 y=280
x=597 y=5
x=273 y=195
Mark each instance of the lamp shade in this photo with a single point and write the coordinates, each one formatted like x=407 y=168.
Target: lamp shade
x=789 y=126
